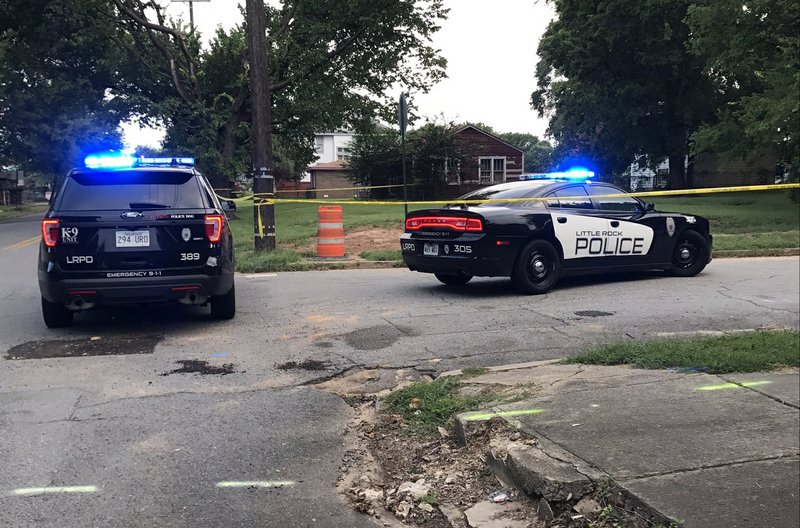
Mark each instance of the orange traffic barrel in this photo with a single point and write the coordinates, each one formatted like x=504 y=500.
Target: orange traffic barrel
x=330 y=236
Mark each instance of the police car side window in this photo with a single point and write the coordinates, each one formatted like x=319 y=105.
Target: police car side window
x=571 y=198
x=621 y=203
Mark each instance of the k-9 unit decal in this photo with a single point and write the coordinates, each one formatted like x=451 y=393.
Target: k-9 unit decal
x=590 y=236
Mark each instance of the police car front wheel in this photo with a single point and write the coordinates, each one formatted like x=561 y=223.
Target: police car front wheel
x=538 y=268
x=690 y=255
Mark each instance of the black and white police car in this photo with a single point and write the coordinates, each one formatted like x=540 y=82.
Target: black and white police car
x=126 y=230
x=548 y=226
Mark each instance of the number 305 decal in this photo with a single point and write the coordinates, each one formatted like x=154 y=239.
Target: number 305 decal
x=190 y=256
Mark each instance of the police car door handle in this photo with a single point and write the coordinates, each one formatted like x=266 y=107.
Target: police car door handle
x=562 y=219
x=614 y=223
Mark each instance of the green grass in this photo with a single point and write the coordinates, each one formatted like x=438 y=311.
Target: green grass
x=746 y=212
x=439 y=402
x=742 y=352
x=743 y=241
x=382 y=254
x=13 y=211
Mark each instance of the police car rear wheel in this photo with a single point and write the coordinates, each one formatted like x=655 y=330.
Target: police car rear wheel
x=55 y=315
x=690 y=255
x=224 y=306
x=537 y=269
x=454 y=280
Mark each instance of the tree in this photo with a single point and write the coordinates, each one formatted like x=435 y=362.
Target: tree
x=62 y=78
x=432 y=155
x=618 y=81
x=538 y=152
x=752 y=56
x=332 y=63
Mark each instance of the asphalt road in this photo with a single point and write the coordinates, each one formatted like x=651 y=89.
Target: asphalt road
x=148 y=449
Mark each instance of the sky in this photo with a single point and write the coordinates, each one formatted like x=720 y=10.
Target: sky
x=490 y=46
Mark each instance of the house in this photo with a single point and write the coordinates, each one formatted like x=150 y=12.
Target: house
x=333 y=146
x=332 y=175
x=489 y=160
x=710 y=170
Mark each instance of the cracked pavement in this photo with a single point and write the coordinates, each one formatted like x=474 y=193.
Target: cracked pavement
x=156 y=446
x=715 y=456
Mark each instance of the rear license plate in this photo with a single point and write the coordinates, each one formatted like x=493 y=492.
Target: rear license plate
x=431 y=249
x=127 y=239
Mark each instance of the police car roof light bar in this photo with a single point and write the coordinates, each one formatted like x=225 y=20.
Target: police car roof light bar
x=117 y=160
x=576 y=173
x=110 y=160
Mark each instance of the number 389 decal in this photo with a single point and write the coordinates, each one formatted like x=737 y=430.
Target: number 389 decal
x=190 y=256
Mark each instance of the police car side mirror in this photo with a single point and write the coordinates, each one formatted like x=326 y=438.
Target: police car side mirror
x=228 y=206
x=649 y=206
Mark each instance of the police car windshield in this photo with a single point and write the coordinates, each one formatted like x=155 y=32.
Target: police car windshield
x=503 y=191
x=126 y=190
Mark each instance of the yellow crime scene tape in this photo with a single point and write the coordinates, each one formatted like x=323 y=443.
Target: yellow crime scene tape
x=642 y=194
x=268 y=198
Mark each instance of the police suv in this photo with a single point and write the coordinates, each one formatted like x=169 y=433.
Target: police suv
x=548 y=226
x=127 y=230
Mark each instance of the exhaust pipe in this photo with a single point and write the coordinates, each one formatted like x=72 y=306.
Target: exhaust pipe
x=77 y=303
x=193 y=299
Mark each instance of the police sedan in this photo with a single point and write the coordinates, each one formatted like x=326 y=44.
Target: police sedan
x=548 y=226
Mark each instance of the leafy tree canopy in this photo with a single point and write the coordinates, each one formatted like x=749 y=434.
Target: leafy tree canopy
x=751 y=53
x=539 y=154
x=617 y=80
x=62 y=80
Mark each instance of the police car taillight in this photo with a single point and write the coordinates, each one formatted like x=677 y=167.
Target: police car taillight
x=214 y=227
x=455 y=223
x=50 y=231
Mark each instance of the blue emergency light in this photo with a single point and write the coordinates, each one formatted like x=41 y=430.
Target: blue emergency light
x=118 y=160
x=575 y=173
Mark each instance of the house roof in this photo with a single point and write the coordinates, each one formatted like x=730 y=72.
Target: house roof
x=339 y=165
x=463 y=128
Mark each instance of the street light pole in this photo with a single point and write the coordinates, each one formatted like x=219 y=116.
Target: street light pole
x=403 y=118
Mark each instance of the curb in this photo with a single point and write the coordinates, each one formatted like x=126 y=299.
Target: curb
x=545 y=471
x=739 y=253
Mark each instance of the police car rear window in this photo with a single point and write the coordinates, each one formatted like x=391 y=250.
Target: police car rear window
x=139 y=190
x=502 y=192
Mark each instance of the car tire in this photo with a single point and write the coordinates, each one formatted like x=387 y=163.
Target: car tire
x=690 y=255
x=454 y=280
x=224 y=306
x=56 y=315
x=537 y=269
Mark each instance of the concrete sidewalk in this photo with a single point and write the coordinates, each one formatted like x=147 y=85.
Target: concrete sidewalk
x=712 y=451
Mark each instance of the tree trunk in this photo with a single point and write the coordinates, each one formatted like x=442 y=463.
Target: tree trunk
x=677 y=171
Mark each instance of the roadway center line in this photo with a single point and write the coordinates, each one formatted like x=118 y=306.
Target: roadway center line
x=24 y=243
x=26 y=492
x=255 y=484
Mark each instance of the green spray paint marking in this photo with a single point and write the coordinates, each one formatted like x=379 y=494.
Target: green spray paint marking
x=24 y=492
x=733 y=385
x=490 y=415
x=255 y=484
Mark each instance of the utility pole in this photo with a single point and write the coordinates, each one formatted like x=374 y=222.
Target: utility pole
x=191 y=11
x=261 y=128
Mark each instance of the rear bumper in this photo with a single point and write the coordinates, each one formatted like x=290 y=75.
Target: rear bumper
x=135 y=290
x=485 y=259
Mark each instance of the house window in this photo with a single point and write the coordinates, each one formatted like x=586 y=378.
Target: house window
x=342 y=153
x=319 y=144
x=492 y=169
